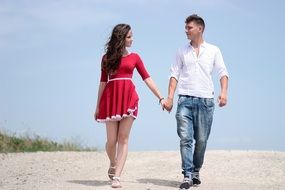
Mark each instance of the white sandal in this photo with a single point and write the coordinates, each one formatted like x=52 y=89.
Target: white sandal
x=111 y=172
x=116 y=182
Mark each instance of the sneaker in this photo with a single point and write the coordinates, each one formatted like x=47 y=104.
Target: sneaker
x=196 y=178
x=186 y=184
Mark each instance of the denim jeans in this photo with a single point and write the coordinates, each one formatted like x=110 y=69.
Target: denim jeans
x=194 y=118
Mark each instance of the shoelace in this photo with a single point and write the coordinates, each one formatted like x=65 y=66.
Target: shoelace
x=195 y=175
x=186 y=179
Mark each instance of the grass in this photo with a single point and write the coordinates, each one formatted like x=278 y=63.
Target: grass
x=33 y=143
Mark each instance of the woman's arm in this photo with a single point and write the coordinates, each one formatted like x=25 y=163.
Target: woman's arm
x=100 y=91
x=151 y=85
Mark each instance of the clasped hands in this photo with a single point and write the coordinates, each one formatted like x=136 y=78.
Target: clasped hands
x=167 y=104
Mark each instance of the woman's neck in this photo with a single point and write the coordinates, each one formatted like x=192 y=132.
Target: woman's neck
x=126 y=52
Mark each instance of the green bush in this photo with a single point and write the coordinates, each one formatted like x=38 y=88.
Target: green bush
x=28 y=143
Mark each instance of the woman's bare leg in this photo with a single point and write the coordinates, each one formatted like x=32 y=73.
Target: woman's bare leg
x=112 y=138
x=125 y=126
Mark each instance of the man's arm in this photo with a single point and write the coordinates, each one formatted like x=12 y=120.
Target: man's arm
x=175 y=71
x=222 y=99
x=171 y=90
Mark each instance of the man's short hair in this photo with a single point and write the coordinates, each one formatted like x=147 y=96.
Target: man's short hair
x=197 y=19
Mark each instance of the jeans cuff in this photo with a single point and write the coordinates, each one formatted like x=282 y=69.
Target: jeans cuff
x=187 y=174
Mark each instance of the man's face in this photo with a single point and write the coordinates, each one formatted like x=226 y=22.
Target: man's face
x=193 y=30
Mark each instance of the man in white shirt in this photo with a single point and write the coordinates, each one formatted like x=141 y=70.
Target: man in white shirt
x=192 y=71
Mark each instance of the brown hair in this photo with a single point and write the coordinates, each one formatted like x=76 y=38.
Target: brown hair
x=115 y=48
x=197 y=19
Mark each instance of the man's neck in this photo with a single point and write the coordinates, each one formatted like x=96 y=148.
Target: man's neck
x=197 y=42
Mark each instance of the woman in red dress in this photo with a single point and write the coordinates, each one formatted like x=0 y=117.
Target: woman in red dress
x=117 y=103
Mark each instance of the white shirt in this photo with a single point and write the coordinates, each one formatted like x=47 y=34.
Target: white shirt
x=194 y=73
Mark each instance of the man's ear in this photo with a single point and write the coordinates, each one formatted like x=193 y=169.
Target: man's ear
x=200 y=28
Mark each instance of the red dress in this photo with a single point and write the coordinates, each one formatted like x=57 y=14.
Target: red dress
x=119 y=98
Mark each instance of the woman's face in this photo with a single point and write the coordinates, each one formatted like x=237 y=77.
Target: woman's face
x=129 y=39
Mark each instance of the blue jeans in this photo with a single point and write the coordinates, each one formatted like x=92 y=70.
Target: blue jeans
x=194 y=118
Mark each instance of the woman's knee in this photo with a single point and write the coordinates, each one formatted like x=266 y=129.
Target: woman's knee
x=123 y=139
x=111 y=142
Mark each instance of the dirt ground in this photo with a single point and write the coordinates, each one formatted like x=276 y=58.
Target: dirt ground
x=222 y=170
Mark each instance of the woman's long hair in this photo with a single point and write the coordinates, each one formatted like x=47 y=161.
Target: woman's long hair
x=115 y=48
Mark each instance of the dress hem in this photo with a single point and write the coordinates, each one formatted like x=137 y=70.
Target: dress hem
x=119 y=117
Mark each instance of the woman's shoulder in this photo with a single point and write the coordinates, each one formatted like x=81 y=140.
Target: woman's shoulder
x=104 y=56
x=103 y=59
x=135 y=55
x=132 y=55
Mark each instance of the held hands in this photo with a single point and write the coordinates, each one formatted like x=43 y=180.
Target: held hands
x=167 y=104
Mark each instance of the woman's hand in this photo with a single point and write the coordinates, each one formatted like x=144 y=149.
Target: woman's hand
x=96 y=113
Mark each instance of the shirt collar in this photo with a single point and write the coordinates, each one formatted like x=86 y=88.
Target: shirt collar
x=204 y=44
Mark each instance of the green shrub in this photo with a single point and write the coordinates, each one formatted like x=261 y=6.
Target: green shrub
x=28 y=143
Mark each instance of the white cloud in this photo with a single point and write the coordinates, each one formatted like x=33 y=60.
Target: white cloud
x=65 y=15
x=217 y=3
x=30 y=23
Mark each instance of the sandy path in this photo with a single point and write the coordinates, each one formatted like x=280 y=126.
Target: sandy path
x=223 y=170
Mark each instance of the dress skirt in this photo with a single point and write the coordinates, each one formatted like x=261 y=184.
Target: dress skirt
x=119 y=100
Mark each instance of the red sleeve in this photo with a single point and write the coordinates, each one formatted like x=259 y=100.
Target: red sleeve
x=141 y=69
x=104 y=75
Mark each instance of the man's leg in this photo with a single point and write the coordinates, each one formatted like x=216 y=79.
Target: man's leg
x=202 y=127
x=185 y=132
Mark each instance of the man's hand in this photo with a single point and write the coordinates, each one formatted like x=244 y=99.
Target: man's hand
x=168 y=104
x=222 y=99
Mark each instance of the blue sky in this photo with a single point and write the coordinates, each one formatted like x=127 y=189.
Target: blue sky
x=50 y=54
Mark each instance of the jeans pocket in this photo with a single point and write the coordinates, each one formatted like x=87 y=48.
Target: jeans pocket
x=181 y=99
x=208 y=102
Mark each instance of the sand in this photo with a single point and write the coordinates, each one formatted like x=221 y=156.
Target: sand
x=223 y=170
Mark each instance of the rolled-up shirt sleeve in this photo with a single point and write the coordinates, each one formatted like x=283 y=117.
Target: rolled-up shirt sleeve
x=176 y=66
x=219 y=65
